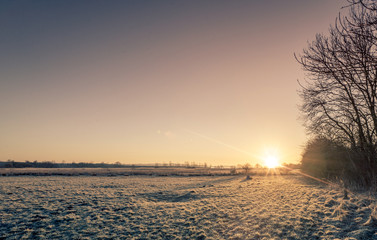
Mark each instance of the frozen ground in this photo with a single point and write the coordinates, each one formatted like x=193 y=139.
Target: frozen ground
x=146 y=207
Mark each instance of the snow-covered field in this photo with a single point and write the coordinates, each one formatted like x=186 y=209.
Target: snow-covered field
x=147 y=207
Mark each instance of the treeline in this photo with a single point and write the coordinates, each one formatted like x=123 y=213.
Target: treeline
x=50 y=164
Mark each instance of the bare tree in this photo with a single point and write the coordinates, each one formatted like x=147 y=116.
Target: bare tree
x=368 y=4
x=246 y=167
x=340 y=94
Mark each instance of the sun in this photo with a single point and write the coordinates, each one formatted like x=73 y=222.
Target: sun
x=271 y=161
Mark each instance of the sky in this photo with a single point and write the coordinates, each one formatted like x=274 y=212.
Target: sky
x=155 y=81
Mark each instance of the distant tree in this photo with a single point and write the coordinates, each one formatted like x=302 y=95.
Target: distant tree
x=233 y=170
x=292 y=165
x=246 y=167
x=46 y=164
x=340 y=95
x=10 y=163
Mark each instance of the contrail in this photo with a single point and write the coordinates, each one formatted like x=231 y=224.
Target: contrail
x=221 y=143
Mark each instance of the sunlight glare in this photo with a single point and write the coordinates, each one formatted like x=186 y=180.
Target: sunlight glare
x=271 y=159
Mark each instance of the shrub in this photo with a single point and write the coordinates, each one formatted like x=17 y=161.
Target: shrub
x=323 y=157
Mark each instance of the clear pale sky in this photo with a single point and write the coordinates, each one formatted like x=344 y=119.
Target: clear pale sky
x=154 y=81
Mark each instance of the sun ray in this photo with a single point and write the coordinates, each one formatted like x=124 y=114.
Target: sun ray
x=221 y=143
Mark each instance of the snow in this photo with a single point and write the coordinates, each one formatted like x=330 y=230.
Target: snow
x=209 y=207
